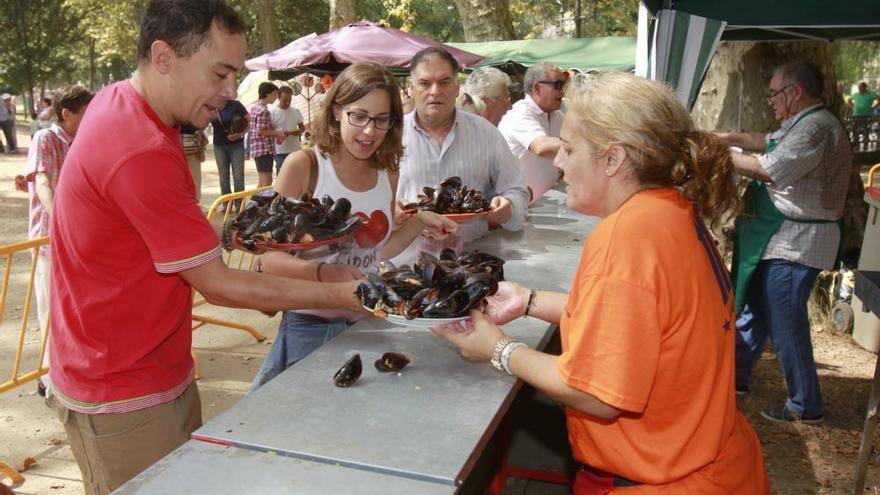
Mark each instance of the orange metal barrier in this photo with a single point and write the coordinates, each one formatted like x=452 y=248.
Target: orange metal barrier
x=223 y=209
x=20 y=264
x=871 y=173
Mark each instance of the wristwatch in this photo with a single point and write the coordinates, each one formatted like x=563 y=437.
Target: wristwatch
x=499 y=348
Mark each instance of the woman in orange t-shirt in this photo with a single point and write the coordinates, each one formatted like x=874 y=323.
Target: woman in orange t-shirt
x=646 y=371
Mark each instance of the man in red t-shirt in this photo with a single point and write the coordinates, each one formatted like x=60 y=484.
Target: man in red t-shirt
x=129 y=242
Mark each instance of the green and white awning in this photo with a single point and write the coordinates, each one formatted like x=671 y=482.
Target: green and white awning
x=679 y=51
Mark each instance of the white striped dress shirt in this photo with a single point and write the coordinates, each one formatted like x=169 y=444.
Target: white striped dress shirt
x=473 y=150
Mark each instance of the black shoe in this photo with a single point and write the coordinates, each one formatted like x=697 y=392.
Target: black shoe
x=41 y=389
x=783 y=415
x=742 y=390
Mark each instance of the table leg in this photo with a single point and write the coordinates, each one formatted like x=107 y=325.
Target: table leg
x=868 y=433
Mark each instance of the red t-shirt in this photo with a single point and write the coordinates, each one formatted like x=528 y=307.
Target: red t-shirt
x=126 y=222
x=649 y=329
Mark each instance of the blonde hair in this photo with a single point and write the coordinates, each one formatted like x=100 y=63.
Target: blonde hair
x=351 y=85
x=658 y=135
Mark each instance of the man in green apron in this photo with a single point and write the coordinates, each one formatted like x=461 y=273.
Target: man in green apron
x=787 y=233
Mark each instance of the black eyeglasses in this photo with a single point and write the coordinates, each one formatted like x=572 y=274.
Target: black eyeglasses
x=359 y=119
x=557 y=84
x=773 y=94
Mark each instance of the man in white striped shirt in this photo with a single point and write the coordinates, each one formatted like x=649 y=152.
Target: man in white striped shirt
x=440 y=142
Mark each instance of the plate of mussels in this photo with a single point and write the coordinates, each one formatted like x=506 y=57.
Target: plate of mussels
x=274 y=222
x=433 y=291
x=453 y=200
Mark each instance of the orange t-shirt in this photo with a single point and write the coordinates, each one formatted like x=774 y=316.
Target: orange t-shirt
x=649 y=329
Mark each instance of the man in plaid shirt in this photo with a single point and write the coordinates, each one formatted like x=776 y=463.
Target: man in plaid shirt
x=45 y=157
x=261 y=135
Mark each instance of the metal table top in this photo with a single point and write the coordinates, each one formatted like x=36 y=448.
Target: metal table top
x=197 y=468
x=429 y=422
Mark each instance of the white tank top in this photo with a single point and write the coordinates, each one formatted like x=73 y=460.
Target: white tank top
x=374 y=204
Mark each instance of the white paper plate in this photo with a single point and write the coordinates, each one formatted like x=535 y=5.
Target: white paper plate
x=422 y=322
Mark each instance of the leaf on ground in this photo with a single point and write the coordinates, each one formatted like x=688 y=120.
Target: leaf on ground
x=28 y=463
x=56 y=486
x=54 y=441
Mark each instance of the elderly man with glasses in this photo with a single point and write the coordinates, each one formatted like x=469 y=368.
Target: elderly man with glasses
x=788 y=232
x=532 y=126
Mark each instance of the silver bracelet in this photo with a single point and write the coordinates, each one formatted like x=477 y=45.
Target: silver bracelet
x=502 y=344
x=505 y=355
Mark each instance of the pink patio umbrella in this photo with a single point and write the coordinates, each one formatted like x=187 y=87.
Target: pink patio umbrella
x=358 y=42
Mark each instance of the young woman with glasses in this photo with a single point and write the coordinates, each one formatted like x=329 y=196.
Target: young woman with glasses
x=357 y=148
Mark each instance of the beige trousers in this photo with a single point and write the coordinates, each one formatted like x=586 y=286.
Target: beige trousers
x=110 y=449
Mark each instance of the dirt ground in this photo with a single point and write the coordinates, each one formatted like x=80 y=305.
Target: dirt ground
x=800 y=459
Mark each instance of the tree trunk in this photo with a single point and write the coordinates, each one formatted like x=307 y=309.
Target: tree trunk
x=92 y=68
x=734 y=93
x=268 y=25
x=485 y=20
x=341 y=13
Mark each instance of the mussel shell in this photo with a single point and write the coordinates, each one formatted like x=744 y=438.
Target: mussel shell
x=349 y=373
x=391 y=361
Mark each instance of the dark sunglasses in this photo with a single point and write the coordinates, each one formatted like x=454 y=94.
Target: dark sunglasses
x=557 y=84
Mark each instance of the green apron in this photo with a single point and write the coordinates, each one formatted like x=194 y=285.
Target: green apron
x=754 y=228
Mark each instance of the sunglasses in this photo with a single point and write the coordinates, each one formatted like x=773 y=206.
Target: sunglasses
x=557 y=84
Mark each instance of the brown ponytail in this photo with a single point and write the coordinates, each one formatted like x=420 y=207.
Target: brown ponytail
x=709 y=184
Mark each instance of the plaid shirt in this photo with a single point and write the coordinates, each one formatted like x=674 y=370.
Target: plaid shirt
x=260 y=119
x=45 y=156
x=810 y=168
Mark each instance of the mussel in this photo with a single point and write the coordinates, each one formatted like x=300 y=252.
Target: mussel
x=391 y=361
x=349 y=373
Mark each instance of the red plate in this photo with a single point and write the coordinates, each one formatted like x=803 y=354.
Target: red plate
x=281 y=246
x=465 y=217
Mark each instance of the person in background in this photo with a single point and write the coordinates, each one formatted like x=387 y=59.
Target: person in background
x=440 y=141
x=130 y=244
x=646 y=370
x=288 y=120
x=261 y=135
x=46 y=116
x=357 y=147
x=45 y=157
x=532 y=126
x=788 y=233
x=7 y=124
x=33 y=125
x=229 y=127
x=194 y=142
x=863 y=102
x=486 y=92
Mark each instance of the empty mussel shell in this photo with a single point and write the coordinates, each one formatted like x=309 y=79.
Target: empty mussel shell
x=391 y=361
x=349 y=373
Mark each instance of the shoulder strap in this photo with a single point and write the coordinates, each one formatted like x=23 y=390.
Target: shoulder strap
x=313 y=169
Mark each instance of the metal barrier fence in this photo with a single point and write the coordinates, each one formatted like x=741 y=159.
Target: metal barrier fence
x=16 y=310
x=864 y=132
x=224 y=208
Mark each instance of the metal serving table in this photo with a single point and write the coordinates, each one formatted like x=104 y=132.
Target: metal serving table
x=432 y=421
x=197 y=468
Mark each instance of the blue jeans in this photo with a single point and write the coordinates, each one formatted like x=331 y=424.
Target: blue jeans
x=230 y=157
x=279 y=160
x=776 y=306
x=298 y=335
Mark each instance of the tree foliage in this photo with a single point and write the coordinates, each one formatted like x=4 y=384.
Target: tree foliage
x=34 y=37
x=856 y=61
